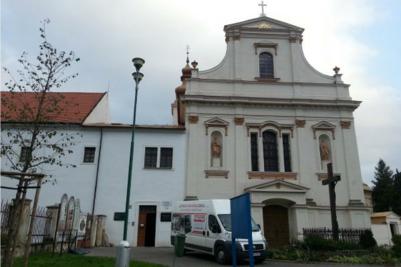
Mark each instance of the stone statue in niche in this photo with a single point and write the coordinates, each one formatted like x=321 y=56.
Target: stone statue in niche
x=325 y=150
x=216 y=150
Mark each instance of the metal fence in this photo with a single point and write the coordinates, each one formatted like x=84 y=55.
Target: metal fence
x=5 y=214
x=41 y=226
x=344 y=234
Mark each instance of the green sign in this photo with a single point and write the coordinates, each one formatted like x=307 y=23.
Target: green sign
x=119 y=216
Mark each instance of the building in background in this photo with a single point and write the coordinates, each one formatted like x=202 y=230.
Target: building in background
x=101 y=156
x=385 y=225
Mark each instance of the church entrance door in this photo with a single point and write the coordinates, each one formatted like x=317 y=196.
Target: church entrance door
x=276 y=228
x=146 y=226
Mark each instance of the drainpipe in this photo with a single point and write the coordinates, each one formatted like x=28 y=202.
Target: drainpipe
x=97 y=177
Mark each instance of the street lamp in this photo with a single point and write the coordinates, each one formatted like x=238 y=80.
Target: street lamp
x=123 y=250
x=138 y=76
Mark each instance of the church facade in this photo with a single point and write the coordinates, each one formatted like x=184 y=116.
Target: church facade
x=264 y=121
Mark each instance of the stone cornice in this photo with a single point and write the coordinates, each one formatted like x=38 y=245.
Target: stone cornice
x=280 y=102
x=216 y=173
x=272 y=175
x=321 y=207
x=267 y=81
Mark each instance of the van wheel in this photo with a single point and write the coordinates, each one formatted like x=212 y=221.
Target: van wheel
x=220 y=255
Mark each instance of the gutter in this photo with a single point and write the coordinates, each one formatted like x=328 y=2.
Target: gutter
x=97 y=176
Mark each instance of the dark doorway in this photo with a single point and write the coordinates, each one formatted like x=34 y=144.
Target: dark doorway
x=146 y=226
x=276 y=229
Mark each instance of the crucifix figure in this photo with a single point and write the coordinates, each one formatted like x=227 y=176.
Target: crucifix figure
x=262 y=4
x=332 y=181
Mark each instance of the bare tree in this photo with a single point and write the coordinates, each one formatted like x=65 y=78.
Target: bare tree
x=31 y=136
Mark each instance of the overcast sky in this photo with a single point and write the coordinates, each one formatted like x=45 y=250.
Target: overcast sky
x=360 y=36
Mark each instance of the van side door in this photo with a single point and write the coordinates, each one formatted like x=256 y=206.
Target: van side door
x=213 y=232
x=195 y=236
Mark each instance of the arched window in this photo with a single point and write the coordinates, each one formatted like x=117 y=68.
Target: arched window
x=266 y=65
x=216 y=149
x=270 y=154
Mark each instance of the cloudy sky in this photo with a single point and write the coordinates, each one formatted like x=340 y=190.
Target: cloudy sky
x=360 y=36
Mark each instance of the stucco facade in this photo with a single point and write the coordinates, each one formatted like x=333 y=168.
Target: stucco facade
x=155 y=187
x=296 y=100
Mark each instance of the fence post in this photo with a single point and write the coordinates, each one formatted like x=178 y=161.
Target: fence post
x=24 y=225
x=101 y=221
x=52 y=212
x=93 y=231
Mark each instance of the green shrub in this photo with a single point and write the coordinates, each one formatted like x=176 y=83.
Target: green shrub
x=396 y=245
x=315 y=242
x=366 y=240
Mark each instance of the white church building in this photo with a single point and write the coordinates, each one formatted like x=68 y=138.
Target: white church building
x=263 y=121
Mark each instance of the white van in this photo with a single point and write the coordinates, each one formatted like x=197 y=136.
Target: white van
x=207 y=227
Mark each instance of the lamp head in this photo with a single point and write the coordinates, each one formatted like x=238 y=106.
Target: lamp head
x=138 y=63
x=138 y=76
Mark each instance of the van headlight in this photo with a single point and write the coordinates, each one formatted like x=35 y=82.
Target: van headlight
x=227 y=235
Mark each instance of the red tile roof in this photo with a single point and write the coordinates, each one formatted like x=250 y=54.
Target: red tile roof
x=60 y=107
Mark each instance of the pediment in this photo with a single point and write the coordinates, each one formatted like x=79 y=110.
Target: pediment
x=263 y=23
x=277 y=186
x=323 y=125
x=216 y=121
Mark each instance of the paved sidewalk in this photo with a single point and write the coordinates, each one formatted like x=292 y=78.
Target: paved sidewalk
x=166 y=257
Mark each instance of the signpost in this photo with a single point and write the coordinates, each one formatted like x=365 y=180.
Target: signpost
x=241 y=225
x=331 y=181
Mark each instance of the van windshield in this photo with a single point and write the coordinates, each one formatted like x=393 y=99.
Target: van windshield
x=225 y=220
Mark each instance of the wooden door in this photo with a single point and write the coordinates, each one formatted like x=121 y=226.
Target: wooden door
x=146 y=226
x=141 y=229
x=276 y=229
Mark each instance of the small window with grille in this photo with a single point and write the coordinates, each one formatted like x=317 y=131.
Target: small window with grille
x=166 y=157
x=89 y=154
x=24 y=154
x=150 y=157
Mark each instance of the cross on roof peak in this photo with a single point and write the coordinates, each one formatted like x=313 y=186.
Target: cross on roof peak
x=262 y=5
x=187 y=54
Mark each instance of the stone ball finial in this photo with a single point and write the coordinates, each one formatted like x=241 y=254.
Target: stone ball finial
x=336 y=70
x=194 y=64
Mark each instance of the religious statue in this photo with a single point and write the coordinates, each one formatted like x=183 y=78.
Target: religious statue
x=216 y=150
x=324 y=150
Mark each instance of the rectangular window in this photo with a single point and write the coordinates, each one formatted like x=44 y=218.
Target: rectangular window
x=166 y=157
x=89 y=154
x=150 y=157
x=254 y=152
x=24 y=154
x=165 y=217
x=287 y=152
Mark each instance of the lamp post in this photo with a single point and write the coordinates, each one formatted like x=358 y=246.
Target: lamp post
x=123 y=250
x=138 y=76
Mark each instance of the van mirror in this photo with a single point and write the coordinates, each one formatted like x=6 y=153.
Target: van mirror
x=260 y=228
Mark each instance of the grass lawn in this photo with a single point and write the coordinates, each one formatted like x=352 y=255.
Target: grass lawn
x=69 y=260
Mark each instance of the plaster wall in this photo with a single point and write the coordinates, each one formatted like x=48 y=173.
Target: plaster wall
x=158 y=186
